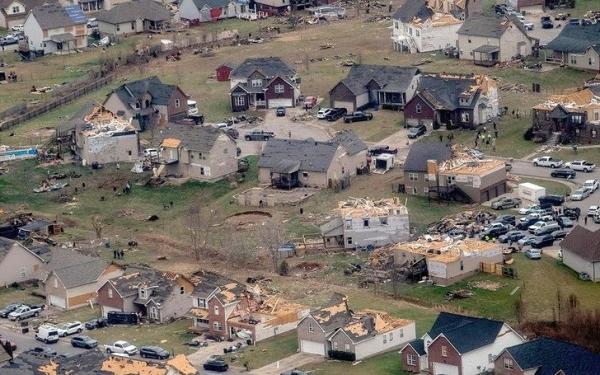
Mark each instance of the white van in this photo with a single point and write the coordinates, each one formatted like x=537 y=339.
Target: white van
x=47 y=334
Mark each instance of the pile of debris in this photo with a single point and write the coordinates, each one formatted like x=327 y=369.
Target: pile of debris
x=471 y=221
x=308 y=266
x=49 y=184
x=382 y=258
x=327 y=45
x=513 y=87
x=492 y=286
x=305 y=116
x=378 y=18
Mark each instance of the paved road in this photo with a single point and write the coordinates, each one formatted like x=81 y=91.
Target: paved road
x=27 y=341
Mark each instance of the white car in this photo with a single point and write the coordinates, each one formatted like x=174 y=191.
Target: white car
x=192 y=107
x=151 y=152
x=581 y=165
x=539 y=225
x=547 y=161
x=593 y=210
x=528 y=26
x=580 y=194
x=70 y=328
x=529 y=209
x=17 y=28
x=323 y=112
x=121 y=347
x=591 y=184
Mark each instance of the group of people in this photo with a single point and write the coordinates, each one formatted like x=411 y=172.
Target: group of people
x=485 y=137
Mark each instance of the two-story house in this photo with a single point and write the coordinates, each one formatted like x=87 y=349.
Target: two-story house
x=196 y=11
x=202 y=153
x=53 y=28
x=14 y=12
x=459 y=344
x=89 y=6
x=148 y=102
x=263 y=82
x=577 y=46
x=384 y=86
x=18 y=263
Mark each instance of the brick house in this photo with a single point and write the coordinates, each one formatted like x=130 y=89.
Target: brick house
x=459 y=345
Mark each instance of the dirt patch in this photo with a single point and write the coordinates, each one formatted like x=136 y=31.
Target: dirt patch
x=308 y=266
x=486 y=285
x=247 y=218
x=162 y=244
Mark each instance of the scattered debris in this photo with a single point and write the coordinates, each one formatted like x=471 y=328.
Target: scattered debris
x=327 y=45
x=486 y=285
x=152 y=218
x=458 y=294
x=50 y=185
x=471 y=222
x=308 y=266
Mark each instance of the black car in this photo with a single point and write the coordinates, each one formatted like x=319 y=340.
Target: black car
x=117 y=317
x=335 y=114
x=547 y=24
x=358 y=116
x=554 y=200
x=83 y=342
x=542 y=241
x=217 y=365
x=378 y=150
x=512 y=236
x=259 y=135
x=572 y=212
x=565 y=222
x=155 y=352
x=45 y=350
x=563 y=173
x=416 y=131
x=494 y=232
x=96 y=323
x=280 y=111
x=525 y=224
x=506 y=219
x=8 y=309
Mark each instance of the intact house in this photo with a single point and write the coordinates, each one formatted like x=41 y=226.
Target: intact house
x=436 y=169
x=459 y=344
x=335 y=331
x=417 y=27
x=273 y=7
x=382 y=86
x=575 y=116
x=577 y=46
x=226 y=309
x=136 y=16
x=101 y=137
x=14 y=12
x=148 y=102
x=89 y=6
x=196 y=11
x=581 y=251
x=263 y=82
x=452 y=101
x=290 y=163
x=202 y=153
x=53 y=28
x=18 y=263
x=547 y=356
x=366 y=223
x=488 y=40
x=448 y=261
x=155 y=295
x=72 y=279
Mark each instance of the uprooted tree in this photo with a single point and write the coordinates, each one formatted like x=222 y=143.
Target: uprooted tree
x=198 y=223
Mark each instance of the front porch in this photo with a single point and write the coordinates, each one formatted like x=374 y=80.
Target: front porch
x=391 y=100
x=91 y=5
x=285 y=175
x=486 y=55
x=63 y=43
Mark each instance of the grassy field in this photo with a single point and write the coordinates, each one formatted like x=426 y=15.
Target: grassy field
x=388 y=363
x=552 y=187
x=18 y=295
x=590 y=154
x=267 y=351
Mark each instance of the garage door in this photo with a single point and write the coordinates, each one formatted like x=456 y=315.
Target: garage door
x=107 y=309
x=312 y=347
x=274 y=103
x=444 y=369
x=57 y=301
x=348 y=105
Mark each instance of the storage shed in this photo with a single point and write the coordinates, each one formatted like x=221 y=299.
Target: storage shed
x=531 y=192
x=223 y=72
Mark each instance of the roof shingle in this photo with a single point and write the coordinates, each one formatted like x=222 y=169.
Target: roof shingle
x=420 y=152
x=583 y=242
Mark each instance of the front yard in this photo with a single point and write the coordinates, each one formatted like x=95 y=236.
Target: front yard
x=266 y=352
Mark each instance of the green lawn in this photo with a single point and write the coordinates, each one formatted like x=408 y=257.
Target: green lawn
x=18 y=295
x=422 y=212
x=590 y=154
x=388 y=363
x=267 y=351
x=552 y=187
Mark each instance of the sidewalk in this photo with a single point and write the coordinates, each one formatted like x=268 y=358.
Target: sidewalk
x=289 y=363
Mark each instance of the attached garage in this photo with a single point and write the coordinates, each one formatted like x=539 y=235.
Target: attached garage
x=312 y=347
x=343 y=104
x=444 y=369
x=107 y=309
x=57 y=301
x=274 y=103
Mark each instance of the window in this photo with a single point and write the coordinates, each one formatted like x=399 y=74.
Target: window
x=347 y=347
x=418 y=108
x=444 y=351
x=577 y=119
x=411 y=360
x=133 y=25
x=16 y=9
x=202 y=171
x=256 y=83
x=366 y=223
x=181 y=290
x=177 y=103
x=384 y=339
x=142 y=293
x=239 y=100
x=225 y=151
x=401 y=333
x=469 y=40
x=417 y=33
x=573 y=60
x=508 y=364
x=590 y=61
x=202 y=321
x=217 y=326
x=349 y=240
x=413 y=177
x=110 y=292
x=279 y=89
x=305 y=174
x=118 y=27
x=56 y=286
x=391 y=334
x=153 y=312
x=396 y=25
x=311 y=327
x=426 y=190
x=464 y=116
x=335 y=345
x=201 y=302
x=129 y=152
x=349 y=224
x=383 y=220
x=596 y=116
x=413 y=191
x=216 y=310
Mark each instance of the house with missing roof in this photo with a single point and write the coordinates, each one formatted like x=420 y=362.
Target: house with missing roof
x=546 y=356
x=147 y=102
x=18 y=263
x=156 y=295
x=54 y=28
x=290 y=163
x=437 y=169
x=263 y=82
x=14 y=12
x=488 y=40
x=135 y=16
x=337 y=332
x=581 y=251
x=384 y=86
x=202 y=153
x=72 y=278
x=453 y=101
x=459 y=344
x=577 y=46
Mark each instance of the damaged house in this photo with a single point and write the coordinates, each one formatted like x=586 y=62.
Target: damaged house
x=337 y=332
x=203 y=153
x=364 y=223
x=438 y=170
x=384 y=86
x=453 y=101
x=575 y=116
x=448 y=261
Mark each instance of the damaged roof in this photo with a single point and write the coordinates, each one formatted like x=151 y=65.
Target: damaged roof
x=420 y=152
x=313 y=156
x=465 y=333
x=268 y=66
x=412 y=9
x=576 y=38
x=444 y=92
x=196 y=138
x=134 y=91
x=349 y=141
x=370 y=323
x=335 y=315
x=206 y=282
x=388 y=77
x=583 y=242
x=133 y=10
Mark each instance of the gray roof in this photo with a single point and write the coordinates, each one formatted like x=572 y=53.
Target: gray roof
x=268 y=66
x=131 y=92
x=211 y=3
x=420 y=152
x=465 y=333
x=350 y=141
x=486 y=48
x=388 y=77
x=133 y=10
x=313 y=156
x=29 y=4
x=77 y=119
x=196 y=138
x=412 y=9
x=54 y=15
x=576 y=38
x=73 y=268
x=335 y=315
x=444 y=92
x=583 y=242
x=206 y=282
x=30 y=363
x=332 y=228
x=489 y=27
x=158 y=283
x=419 y=346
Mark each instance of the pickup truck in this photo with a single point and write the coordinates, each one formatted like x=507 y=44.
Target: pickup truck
x=547 y=161
x=24 y=312
x=259 y=135
x=358 y=116
x=121 y=347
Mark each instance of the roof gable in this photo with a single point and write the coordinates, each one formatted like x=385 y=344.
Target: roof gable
x=583 y=242
x=388 y=77
x=420 y=152
x=465 y=333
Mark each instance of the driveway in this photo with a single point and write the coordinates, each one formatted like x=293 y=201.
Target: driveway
x=289 y=363
x=398 y=140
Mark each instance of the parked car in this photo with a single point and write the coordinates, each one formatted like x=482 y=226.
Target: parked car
x=525 y=222
x=565 y=222
x=563 y=173
x=259 y=135
x=512 y=236
x=558 y=234
x=546 y=229
x=96 y=323
x=572 y=212
x=574 y=21
x=527 y=210
x=47 y=333
x=580 y=194
x=44 y=350
x=528 y=26
x=526 y=240
x=581 y=165
x=323 y=112
x=280 y=112
x=591 y=184
x=8 y=40
x=494 y=230
x=554 y=200
x=547 y=161
x=506 y=219
x=155 y=352
x=547 y=24
x=358 y=116
x=533 y=253
x=233 y=133
x=83 y=342
x=542 y=241
x=217 y=365
x=9 y=308
x=335 y=114
x=596 y=218
x=92 y=23
x=561 y=17
x=71 y=328
x=118 y=317
x=151 y=153
x=378 y=150
x=294 y=372
x=24 y=312
x=416 y=131
x=121 y=347
x=17 y=28
x=593 y=210
x=457 y=234
x=309 y=102
x=538 y=225
x=506 y=202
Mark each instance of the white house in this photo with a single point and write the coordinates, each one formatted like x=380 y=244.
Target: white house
x=581 y=251
x=210 y=10
x=52 y=28
x=419 y=28
x=14 y=12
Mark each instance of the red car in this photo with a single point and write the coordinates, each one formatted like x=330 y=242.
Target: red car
x=310 y=101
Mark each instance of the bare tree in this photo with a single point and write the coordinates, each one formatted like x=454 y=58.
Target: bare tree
x=239 y=248
x=198 y=222
x=272 y=235
x=98 y=226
